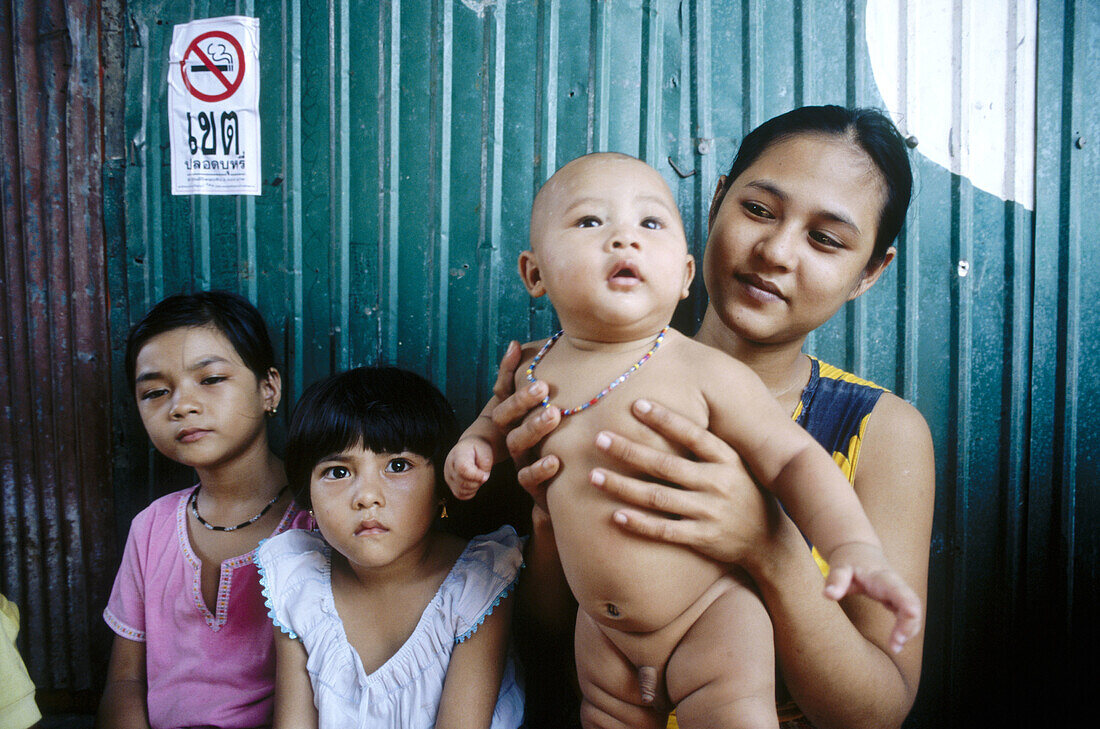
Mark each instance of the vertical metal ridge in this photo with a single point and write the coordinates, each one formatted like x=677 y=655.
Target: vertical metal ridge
x=653 y=53
x=852 y=46
x=864 y=90
x=393 y=194
x=20 y=522
x=500 y=26
x=1070 y=184
x=856 y=322
x=548 y=25
x=1017 y=326
x=41 y=516
x=753 y=80
x=139 y=151
x=201 y=218
x=335 y=245
x=909 y=290
x=344 y=200
x=599 y=91
x=381 y=122
x=12 y=291
x=153 y=173
x=251 y=260
x=687 y=193
x=294 y=191
x=802 y=14
x=89 y=393
x=548 y=65
x=961 y=227
x=905 y=60
x=1043 y=450
x=703 y=136
x=441 y=322
x=909 y=248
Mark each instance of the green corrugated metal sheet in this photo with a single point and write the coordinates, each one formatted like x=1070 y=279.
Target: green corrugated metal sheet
x=403 y=143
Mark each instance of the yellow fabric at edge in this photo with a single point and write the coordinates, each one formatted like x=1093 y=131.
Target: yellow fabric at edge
x=17 y=707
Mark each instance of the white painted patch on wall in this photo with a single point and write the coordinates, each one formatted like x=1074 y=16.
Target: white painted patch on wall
x=963 y=85
x=479 y=6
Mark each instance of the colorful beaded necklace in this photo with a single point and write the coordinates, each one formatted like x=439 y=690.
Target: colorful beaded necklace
x=614 y=383
x=193 y=502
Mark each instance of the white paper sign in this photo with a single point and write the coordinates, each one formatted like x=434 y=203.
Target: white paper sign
x=213 y=106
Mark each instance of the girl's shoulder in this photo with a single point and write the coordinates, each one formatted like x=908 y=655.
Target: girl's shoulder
x=499 y=552
x=293 y=550
x=294 y=575
x=485 y=573
x=163 y=509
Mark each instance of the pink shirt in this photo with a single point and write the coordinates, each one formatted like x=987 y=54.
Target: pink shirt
x=203 y=669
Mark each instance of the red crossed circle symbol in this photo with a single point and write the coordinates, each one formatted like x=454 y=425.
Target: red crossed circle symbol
x=230 y=86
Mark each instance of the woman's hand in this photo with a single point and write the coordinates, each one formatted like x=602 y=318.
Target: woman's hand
x=722 y=513
x=520 y=415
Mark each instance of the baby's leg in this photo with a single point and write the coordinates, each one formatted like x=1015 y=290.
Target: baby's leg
x=612 y=698
x=723 y=671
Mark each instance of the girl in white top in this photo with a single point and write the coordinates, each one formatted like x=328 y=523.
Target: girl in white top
x=382 y=620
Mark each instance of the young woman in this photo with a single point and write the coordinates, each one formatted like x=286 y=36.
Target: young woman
x=804 y=221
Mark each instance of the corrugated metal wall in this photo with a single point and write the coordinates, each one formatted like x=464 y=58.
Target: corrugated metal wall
x=403 y=142
x=57 y=528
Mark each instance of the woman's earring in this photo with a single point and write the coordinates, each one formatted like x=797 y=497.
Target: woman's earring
x=272 y=410
x=443 y=513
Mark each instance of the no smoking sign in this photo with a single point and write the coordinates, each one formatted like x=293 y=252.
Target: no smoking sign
x=213 y=106
x=213 y=66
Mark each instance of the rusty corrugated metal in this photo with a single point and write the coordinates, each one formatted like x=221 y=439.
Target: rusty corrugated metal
x=56 y=510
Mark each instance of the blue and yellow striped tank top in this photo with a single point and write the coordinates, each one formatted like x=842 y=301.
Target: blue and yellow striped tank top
x=834 y=409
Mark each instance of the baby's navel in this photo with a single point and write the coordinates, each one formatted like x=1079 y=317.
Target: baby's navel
x=613 y=610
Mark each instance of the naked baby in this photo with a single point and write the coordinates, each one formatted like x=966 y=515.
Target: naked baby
x=608 y=248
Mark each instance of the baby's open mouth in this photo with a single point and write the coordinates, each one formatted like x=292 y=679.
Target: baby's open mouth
x=625 y=272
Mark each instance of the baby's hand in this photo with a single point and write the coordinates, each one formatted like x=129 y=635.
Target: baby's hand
x=858 y=567
x=468 y=466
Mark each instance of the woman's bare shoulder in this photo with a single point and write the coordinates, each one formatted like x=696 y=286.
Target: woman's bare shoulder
x=897 y=451
x=896 y=420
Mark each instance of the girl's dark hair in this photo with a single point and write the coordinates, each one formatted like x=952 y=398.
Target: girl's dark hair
x=872 y=130
x=385 y=409
x=231 y=314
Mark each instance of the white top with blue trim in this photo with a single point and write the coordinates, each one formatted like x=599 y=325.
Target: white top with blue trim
x=405 y=691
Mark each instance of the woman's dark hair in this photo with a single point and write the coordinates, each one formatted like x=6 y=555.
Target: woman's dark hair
x=385 y=409
x=872 y=130
x=231 y=314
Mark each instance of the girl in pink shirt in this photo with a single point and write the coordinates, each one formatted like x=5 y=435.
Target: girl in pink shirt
x=193 y=645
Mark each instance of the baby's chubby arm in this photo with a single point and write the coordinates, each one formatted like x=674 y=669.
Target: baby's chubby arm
x=480 y=447
x=787 y=461
x=484 y=444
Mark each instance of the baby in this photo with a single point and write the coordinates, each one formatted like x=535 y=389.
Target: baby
x=608 y=247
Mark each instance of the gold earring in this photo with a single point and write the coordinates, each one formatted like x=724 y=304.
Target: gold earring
x=272 y=410
x=443 y=513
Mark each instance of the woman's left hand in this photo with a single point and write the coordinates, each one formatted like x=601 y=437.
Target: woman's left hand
x=722 y=513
